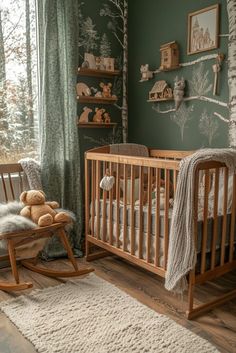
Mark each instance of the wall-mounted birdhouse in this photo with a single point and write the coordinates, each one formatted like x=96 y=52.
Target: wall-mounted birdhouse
x=169 y=56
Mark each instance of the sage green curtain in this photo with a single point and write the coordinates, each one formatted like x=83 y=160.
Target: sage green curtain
x=57 y=23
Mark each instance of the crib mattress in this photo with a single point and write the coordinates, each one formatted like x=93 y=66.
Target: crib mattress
x=210 y=223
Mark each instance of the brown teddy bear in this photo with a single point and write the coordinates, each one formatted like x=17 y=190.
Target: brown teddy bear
x=39 y=211
x=97 y=118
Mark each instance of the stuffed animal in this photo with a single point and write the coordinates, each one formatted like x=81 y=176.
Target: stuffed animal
x=84 y=116
x=97 y=118
x=41 y=212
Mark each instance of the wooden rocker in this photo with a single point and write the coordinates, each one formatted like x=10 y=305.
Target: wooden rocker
x=16 y=240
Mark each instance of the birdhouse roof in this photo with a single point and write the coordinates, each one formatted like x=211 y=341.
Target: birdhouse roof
x=169 y=45
x=159 y=87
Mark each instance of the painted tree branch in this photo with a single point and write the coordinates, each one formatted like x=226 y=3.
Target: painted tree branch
x=221 y=117
x=118 y=39
x=157 y=109
x=206 y=99
x=118 y=106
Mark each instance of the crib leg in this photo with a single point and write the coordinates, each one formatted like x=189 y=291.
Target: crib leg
x=190 y=294
x=94 y=255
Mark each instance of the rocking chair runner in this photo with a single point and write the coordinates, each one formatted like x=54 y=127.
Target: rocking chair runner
x=11 y=185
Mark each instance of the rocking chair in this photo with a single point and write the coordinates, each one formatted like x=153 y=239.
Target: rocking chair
x=11 y=185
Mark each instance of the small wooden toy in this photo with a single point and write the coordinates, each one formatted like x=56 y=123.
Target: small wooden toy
x=107 y=118
x=160 y=91
x=106 y=89
x=169 y=56
x=84 y=116
x=178 y=92
x=82 y=89
x=97 y=118
x=146 y=73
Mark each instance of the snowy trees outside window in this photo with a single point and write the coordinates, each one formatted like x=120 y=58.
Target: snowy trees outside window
x=18 y=81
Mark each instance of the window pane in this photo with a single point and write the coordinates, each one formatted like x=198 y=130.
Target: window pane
x=18 y=81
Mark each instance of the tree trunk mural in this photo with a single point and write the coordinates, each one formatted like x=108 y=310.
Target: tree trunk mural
x=231 y=7
x=119 y=10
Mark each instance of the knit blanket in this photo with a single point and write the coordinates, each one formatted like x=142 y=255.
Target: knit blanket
x=182 y=254
x=33 y=173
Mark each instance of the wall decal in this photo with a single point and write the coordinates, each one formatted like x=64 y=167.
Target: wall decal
x=181 y=118
x=208 y=127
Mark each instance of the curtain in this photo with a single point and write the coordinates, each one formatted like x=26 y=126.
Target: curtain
x=60 y=154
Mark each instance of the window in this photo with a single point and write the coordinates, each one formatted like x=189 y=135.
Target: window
x=18 y=81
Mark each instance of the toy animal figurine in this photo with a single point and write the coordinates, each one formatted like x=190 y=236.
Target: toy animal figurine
x=97 y=118
x=107 y=118
x=82 y=89
x=106 y=89
x=146 y=73
x=84 y=116
x=178 y=91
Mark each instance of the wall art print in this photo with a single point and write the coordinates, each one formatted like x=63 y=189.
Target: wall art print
x=203 y=29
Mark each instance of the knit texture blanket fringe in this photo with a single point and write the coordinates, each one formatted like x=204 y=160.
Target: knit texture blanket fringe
x=182 y=255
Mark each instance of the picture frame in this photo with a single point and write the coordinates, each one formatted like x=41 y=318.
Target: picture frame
x=203 y=29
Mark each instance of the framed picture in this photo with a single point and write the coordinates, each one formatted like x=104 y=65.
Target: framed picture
x=203 y=29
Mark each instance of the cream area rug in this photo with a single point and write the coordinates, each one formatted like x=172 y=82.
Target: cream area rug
x=90 y=315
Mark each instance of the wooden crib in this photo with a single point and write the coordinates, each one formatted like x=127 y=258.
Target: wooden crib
x=132 y=220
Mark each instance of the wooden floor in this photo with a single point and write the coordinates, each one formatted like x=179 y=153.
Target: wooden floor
x=217 y=326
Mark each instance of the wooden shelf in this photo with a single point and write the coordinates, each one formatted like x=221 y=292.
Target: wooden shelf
x=171 y=69
x=96 y=100
x=97 y=73
x=96 y=125
x=160 y=100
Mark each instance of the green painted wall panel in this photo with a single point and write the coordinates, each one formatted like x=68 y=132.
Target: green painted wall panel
x=152 y=23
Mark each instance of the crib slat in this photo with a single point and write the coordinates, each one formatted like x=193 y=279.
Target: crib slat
x=104 y=215
x=166 y=232
x=140 y=222
x=149 y=214
x=157 y=216
x=224 y=227
x=215 y=219
x=87 y=199
x=232 y=225
x=110 y=210
x=98 y=176
x=125 y=208
x=195 y=210
x=21 y=181
x=132 y=243
x=205 y=217
x=4 y=187
x=117 y=205
x=93 y=187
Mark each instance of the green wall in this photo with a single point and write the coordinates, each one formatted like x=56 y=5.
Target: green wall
x=152 y=23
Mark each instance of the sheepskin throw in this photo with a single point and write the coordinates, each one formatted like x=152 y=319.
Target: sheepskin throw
x=182 y=252
x=90 y=315
x=33 y=173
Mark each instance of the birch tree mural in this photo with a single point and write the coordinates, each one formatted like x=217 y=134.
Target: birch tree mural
x=231 y=7
x=117 y=11
x=181 y=118
x=208 y=127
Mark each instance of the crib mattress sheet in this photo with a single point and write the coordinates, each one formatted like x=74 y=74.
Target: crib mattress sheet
x=210 y=222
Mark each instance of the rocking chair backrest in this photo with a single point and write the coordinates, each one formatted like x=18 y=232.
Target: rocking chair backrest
x=12 y=182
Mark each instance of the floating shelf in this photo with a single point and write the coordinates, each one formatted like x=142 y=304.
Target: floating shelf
x=97 y=73
x=90 y=125
x=171 y=69
x=95 y=100
x=160 y=100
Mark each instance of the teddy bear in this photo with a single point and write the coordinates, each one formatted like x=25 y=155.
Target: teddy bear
x=97 y=118
x=107 y=118
x=41 y=212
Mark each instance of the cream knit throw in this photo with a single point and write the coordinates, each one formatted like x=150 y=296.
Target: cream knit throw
x=182 y=252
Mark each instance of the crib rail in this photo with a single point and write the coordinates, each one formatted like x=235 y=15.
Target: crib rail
x=11 y=181
x=122 y=219
x=215 y=206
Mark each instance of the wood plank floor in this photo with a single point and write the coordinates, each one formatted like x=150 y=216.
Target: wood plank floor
x=217 y=326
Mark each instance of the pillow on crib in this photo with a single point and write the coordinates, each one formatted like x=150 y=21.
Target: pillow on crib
x=136 y=189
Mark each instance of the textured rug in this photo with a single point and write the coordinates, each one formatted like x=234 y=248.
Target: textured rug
x=92 y=316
